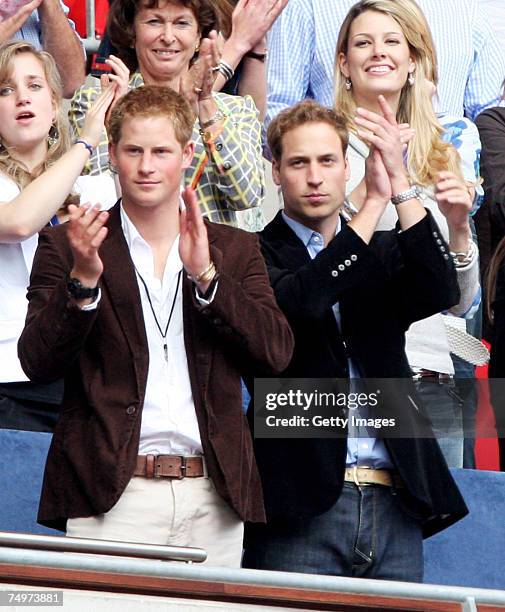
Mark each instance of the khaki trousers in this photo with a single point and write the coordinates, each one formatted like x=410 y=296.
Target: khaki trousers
x=186 y=512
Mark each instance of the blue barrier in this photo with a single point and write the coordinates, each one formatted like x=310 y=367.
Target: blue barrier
x=23 y=456
x=471 y=553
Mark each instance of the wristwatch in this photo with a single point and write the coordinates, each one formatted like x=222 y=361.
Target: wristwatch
x=406 y=195
x=79 y=292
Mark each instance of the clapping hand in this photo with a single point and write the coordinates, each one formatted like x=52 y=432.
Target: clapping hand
x=384 y=133
x=193 y=242
x=119 y=77
x=453 y=199
x=86 y=232
x=196 y=84
x=251 y=20
x=9 y=26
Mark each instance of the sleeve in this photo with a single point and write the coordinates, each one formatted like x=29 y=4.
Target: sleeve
x=290 y=57
x=235 y=171
x=485 y=78
x=82 y=101
x=243 y=312
x=491 y=124
x=55 y=328
x=410 y=265
x=464 y=136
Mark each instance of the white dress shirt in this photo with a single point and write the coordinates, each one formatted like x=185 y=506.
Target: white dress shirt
x=169 y=423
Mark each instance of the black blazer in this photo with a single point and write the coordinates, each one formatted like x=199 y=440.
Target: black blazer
x=381 y=289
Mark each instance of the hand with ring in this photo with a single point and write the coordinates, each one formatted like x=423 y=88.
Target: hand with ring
x=196 y=85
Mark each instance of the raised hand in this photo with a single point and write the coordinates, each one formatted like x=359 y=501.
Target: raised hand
x=453 y=201
x=9 y=26
x=384 y=133
x=196 y=84
x=377 y=182
x=193 y=242
x=120 y=77
x=95 y=117
x=86 y=232
x=251 y=20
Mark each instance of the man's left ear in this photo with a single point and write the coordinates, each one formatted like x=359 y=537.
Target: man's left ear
x=112 y=154
x=188 y=152
x=347 y=169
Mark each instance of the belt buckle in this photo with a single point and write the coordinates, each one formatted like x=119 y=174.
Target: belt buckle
x=183 y=468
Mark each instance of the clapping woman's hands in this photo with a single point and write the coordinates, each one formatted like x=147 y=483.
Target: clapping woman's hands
x=120 y=77
x=384 y=133
x=196 y=84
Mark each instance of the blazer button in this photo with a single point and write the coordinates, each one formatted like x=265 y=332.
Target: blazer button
x=217 y=321
x=354 y=257
x=347 y=262
x=334 y=273
x=131 y=409
x=446 y=256
x=341 y=267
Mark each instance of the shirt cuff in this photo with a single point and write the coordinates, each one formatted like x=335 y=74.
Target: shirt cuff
x=94 y=303
x=201 y=300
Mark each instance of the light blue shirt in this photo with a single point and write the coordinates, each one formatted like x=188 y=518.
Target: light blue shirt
x=366 y=451
x=31 y=31
x=302 y=53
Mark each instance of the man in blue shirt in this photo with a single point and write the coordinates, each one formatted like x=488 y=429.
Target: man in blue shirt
x=355 y=506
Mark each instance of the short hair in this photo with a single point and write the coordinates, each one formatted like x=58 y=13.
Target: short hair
x=304 y=112
x=120 y=23
x=153 y=101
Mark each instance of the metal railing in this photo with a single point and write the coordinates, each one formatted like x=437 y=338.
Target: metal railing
x=91 y=42
x=101 y=547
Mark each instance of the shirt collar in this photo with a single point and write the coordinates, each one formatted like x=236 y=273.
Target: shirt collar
x=306 y=234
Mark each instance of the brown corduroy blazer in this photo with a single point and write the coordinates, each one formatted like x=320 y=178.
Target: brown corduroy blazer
x=103 y=357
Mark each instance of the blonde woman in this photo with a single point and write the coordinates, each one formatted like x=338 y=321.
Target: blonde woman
x=384 y=63
x=38 y=171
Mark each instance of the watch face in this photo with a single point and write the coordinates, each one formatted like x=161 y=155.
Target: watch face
x=79 y=292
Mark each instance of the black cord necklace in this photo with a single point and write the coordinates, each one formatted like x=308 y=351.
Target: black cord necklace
x=163 y=334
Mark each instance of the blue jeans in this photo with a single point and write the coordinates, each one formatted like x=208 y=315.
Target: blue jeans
x=444 y=407
x=364 y=534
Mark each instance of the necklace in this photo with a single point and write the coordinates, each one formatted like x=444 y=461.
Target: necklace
x=163 y=333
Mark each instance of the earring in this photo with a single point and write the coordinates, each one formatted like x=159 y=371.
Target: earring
x=2 y=147
x=411 y=80
x=53 y=136
x=348 y=84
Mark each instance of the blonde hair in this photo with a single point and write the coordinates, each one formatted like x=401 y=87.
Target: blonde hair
x=8 y=164
x=427 y=153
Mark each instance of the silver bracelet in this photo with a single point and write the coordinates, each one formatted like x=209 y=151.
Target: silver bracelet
x=226 y=70
x=463 y=259
x=405 y=196
x=348 y=209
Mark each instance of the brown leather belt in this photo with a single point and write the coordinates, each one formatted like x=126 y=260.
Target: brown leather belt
x=169 y=466
x=431 y=374
x=366 y=476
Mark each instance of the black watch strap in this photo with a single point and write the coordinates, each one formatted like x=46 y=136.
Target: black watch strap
x=79 y=292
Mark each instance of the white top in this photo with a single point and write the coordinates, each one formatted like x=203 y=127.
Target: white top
x=16 y=261
x=427 y=345
x=169 y=423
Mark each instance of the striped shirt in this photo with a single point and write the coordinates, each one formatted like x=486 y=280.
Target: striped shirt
x=233 y=178
x=302 y=48
x=31 y=31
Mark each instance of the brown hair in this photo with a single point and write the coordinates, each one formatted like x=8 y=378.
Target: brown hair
x=121 y=18
x=153 y=101
x=304 y=112
x=427 y=153
x=8 y=165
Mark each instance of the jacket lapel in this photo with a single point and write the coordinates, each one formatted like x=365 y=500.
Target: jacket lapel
x=120 y=283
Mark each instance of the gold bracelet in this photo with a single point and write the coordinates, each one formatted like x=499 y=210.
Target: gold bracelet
x=205 y=276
